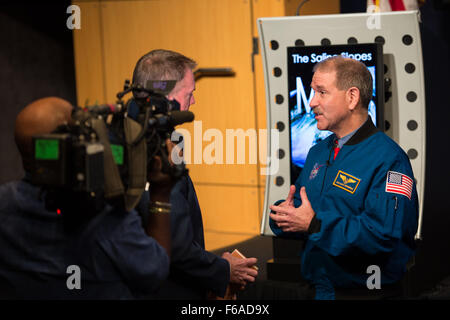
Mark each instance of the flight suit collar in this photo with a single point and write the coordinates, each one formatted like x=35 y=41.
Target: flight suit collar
x=366 y=130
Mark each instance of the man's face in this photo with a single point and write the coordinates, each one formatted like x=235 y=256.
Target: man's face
x=329 y=104
x=184 y=91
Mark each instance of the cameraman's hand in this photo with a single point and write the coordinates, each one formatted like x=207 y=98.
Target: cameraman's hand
x=160 y=186
x=161 y=183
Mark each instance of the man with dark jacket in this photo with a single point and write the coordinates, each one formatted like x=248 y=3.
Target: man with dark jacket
x=194 y=272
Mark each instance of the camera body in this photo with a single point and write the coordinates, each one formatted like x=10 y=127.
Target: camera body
x=65 y=161
x=79 y=163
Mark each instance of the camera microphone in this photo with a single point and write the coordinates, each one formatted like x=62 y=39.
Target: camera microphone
x=173 y=118
x=180 y=117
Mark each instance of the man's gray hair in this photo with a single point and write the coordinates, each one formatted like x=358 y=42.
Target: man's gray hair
x=349 y=73
x=161 y=65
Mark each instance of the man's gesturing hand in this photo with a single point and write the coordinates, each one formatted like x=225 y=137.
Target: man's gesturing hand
x=291 y=219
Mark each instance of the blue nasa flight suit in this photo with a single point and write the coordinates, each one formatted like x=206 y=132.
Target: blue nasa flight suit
x=358 y=223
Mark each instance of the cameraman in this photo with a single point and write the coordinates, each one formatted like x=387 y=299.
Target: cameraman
x=108 y=256
x=194 y=272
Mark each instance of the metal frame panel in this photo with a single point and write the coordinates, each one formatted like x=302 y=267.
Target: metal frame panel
x=405 y=116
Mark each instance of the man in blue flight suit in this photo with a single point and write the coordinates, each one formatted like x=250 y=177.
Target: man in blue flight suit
x=109 y=256
x=194 y=271
x=355 y=201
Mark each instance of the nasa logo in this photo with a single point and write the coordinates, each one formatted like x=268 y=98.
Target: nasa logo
x=315 y=171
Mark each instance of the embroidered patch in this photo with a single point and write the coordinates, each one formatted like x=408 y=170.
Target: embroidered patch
x=346 y=182
x=399 y=183
x=315 y=171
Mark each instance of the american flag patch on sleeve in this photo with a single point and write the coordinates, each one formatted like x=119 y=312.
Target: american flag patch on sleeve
x=399 y=183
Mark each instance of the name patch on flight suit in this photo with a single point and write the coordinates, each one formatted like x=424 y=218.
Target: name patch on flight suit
x=346 y=182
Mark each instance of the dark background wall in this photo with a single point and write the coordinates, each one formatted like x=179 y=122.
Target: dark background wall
x=433 y=258
x=36 y=60
x=433 y=255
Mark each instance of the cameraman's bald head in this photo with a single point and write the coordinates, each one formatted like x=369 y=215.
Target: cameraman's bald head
x=39 y=117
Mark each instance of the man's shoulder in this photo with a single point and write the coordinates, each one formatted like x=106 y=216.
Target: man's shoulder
x=386 y=146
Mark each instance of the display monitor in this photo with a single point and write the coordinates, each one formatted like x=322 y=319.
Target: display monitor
x=301 y=60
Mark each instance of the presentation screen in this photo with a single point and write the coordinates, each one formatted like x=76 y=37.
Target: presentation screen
x=301 y=60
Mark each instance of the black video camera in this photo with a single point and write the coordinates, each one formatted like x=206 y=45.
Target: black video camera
x=69 y=163
x=158 y=117
x=77 y=162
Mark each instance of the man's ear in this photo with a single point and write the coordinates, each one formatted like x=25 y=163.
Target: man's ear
x=353 y=97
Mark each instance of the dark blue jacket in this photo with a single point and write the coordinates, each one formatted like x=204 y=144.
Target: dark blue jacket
x=116 y=259
x=366 y=211
x=193 y=271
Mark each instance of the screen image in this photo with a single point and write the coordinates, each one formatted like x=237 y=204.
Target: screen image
x=301 y=60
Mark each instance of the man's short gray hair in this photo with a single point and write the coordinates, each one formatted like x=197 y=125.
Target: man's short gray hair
x=349 y=73
x=161 y=65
